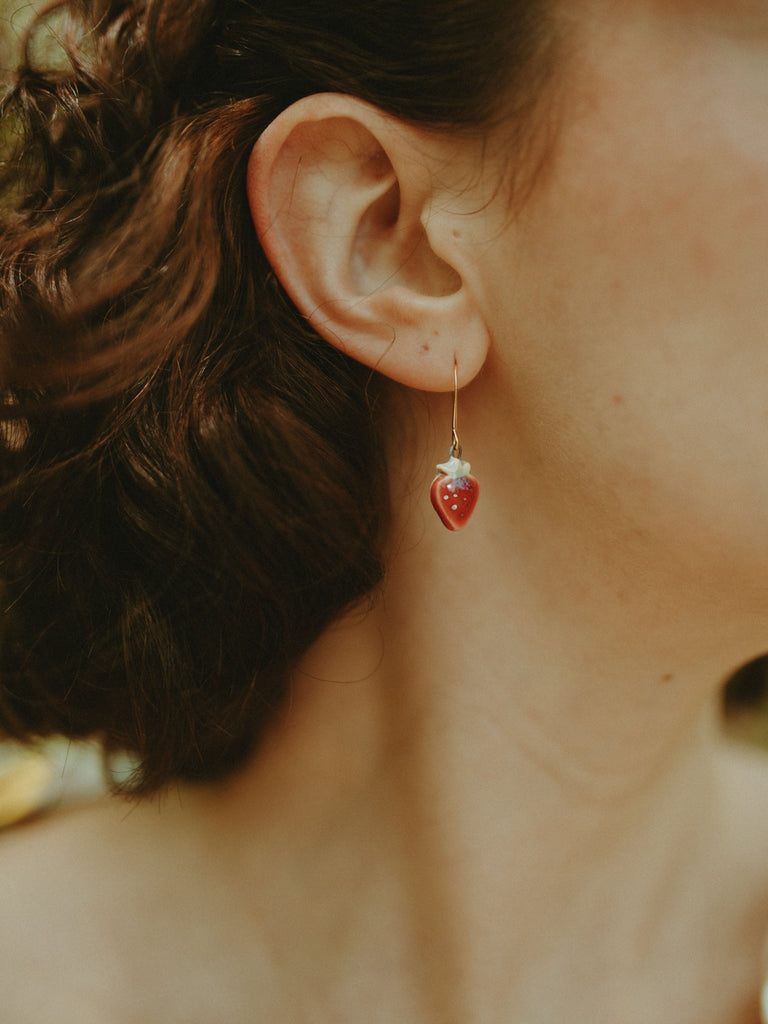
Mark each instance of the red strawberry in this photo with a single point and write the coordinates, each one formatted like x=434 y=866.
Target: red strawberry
x=454 y=493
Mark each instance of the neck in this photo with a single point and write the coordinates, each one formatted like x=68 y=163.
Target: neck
x=530 y=809
x=523 y=825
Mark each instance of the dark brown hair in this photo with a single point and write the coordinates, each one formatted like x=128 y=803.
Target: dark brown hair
x=191 y=480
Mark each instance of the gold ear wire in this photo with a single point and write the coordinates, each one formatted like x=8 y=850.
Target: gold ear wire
x=455 y=444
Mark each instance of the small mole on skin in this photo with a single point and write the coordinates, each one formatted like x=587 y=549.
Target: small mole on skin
x=618 y=399
x=425 y=348
x=667 y=677
x=456 y=233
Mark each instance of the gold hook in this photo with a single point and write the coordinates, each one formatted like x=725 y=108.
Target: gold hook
x=455 y=443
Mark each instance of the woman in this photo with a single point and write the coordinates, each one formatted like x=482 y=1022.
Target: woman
x=404 y=773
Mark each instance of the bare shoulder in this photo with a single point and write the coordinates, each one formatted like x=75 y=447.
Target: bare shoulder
x=113 y=913
x=54 y=946
x=94 y=902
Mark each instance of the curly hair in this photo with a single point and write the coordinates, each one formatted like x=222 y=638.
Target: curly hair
x=191 y=484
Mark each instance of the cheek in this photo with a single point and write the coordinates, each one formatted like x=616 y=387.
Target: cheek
x=655 y=213
x=636 y=341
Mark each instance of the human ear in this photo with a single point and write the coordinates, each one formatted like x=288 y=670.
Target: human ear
x=354 y=213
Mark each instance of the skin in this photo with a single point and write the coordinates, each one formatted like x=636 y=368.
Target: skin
x=499 y=792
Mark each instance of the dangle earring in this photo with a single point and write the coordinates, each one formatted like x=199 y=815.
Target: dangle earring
x=454 y=492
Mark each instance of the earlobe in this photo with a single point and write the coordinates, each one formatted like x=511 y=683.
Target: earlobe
x=343 y=198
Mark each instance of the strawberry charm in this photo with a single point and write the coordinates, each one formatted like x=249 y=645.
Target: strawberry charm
x=454 y=492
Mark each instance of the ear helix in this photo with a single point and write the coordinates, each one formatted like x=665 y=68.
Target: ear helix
x=454 y=492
